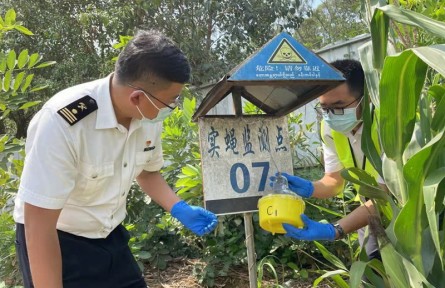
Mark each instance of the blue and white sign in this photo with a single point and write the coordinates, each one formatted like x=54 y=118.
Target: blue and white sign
x=283 y=58
x=238 y=156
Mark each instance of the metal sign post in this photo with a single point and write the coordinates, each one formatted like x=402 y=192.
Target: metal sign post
x=250 y=243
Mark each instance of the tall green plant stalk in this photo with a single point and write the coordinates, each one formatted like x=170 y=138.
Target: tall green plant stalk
x=412 y=136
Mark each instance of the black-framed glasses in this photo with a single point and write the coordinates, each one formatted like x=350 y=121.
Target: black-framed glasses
x=334 y=110
x=172 y=106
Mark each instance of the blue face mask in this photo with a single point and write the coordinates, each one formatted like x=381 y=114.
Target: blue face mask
x=162 y=113
x=343 y=123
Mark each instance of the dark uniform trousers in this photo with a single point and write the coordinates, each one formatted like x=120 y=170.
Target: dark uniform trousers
x=89 y=263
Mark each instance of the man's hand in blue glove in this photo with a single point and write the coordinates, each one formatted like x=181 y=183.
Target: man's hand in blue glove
x=197 y=219
x=312 y=230
x=301 y=186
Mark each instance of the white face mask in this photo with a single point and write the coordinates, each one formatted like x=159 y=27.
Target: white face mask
x=162 y=112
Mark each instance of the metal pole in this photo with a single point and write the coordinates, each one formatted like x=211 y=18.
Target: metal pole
x=251 y=257
x=248 y=226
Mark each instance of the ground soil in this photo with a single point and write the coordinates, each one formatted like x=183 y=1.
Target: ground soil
x=179 y=274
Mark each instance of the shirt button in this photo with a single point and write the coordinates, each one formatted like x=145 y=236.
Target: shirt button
x=125 y=164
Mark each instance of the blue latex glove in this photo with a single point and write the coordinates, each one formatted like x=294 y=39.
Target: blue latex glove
x=197 y=219
x=312 y=230
x=300 y=186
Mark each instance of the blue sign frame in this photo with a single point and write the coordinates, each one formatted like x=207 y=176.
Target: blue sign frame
x=283 y=58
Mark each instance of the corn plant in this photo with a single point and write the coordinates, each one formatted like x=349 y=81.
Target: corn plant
x=408 y=91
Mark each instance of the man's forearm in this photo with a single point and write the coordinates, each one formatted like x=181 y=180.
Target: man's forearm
x=154 y=185
x=329 y=186
x=44 y=257
x=358 y=218
x=43 y=246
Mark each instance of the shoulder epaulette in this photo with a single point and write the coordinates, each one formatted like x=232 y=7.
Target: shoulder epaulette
x=77 y=110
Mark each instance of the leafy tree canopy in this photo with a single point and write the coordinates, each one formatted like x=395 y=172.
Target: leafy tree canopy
x=331 y=21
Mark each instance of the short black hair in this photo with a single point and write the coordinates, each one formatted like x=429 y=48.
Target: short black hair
x=151 y=53
x=353 y=73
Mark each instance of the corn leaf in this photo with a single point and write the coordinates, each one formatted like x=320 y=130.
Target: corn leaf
x=411 y=221
x=430 y=194
x=357 y=270
x=439 y=118
x=433 y=56
x=367 y=183
x=368 y=144
x=413 y=18
x=330 y=257
x=334 y=275
x=380 y=27
x=402 y=80
x=372 y=76
x=379 y=36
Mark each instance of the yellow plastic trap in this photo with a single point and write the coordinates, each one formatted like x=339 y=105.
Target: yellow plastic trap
x=276 y=209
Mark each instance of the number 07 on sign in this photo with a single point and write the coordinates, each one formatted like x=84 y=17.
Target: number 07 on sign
x=238 y=156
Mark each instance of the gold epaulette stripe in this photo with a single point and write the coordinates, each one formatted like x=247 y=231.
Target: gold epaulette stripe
x=70 y=116
x=77 y=110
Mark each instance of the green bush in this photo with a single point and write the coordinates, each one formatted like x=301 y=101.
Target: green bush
x=16 y=76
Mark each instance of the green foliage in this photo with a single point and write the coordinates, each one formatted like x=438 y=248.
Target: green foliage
x=16 y=75
x=181 y=151
x=9 y=267
x=213 y=41
x=17 y=71
x=408 y=90
x=268 y=262
x=299 y=141
x=330 y=22
x=156 y=242
x=11 y=166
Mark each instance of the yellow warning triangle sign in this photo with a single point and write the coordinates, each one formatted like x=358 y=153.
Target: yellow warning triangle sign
x=285 y=53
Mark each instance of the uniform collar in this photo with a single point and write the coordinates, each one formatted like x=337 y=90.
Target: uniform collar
x=106 y=117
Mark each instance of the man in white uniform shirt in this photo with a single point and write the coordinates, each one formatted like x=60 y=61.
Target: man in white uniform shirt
x=84 y=149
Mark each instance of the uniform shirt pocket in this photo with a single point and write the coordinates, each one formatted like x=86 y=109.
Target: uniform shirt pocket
x=92 y=181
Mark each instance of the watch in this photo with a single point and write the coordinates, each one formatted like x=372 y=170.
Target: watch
x=339 y=229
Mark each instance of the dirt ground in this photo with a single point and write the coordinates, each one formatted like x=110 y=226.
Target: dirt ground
x=179 y=274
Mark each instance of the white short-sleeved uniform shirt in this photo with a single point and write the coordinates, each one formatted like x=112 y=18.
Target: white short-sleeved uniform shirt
x=332 y=161
x=85 y=169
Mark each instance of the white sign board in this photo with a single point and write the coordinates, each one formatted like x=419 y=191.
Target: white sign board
x=238 y=156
